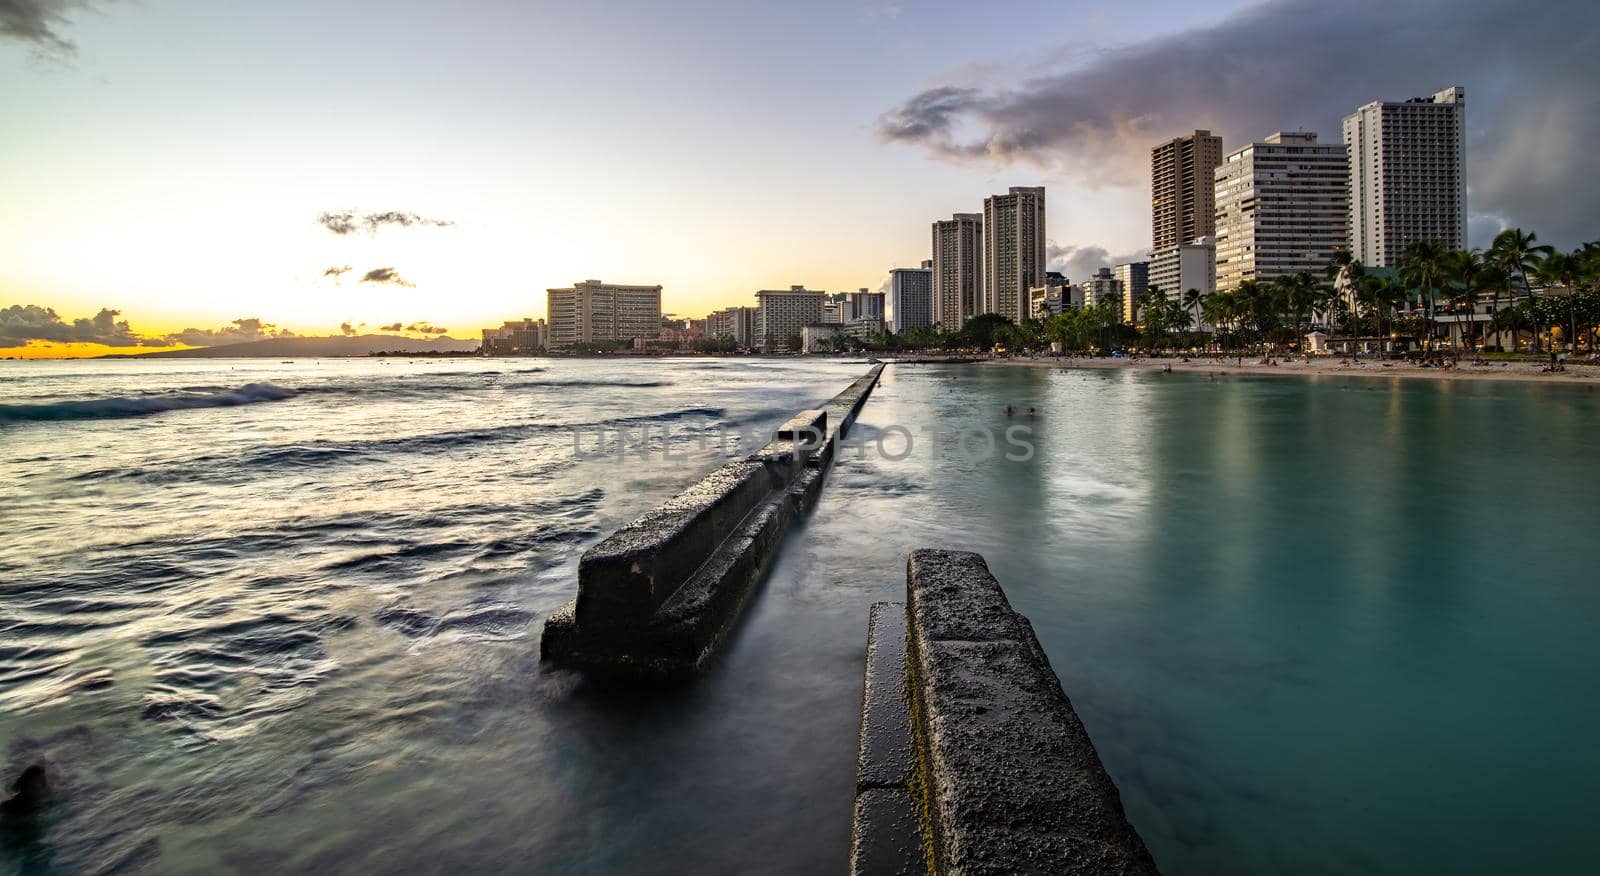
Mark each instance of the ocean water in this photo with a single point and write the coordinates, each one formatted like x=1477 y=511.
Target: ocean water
x=262 y=615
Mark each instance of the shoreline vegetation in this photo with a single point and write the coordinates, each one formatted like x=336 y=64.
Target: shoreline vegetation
x=1520 y=371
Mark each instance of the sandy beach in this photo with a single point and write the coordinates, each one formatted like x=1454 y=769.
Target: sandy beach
x=1579 y=373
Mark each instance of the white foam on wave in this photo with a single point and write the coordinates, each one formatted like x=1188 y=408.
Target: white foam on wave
x=124 y=406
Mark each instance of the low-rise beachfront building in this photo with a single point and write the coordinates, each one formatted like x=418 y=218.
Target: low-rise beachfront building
x=818 y=337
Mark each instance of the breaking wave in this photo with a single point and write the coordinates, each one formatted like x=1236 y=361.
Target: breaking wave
x=119 y=407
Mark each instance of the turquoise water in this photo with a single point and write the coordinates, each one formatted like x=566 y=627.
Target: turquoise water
x=1313 y=625
x=285 y=616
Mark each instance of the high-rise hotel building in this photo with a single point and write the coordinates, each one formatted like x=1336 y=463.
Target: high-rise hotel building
x=1282 y=207
x=1407 y=175
x=1013 y=250
x=738 y=323
x=911 y=297
x=1182 y=197
x=782 y=313
x=595 y=311
x=957 y=269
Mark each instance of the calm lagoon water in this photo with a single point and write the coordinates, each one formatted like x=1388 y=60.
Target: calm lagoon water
x=266 y=615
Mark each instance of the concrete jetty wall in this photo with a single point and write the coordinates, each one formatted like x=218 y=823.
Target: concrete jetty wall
x=659 y=595
x=972 y=759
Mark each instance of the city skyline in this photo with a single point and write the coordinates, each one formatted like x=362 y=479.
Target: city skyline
x=346 y=200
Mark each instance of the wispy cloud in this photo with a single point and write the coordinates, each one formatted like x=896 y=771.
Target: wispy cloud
x=335 y=272
x=386 y=275
x=424 y=328
x=349 y=221
x=1304 y=64
x=40 y=23
x=882 y=12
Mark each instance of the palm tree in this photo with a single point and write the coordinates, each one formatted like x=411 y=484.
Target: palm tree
x=1192 y=301
x=1298 y=293
x=1421 y=265
x=1463 y=271
x=1221 y=309
x=1379 y=296
x=1562 y=269
x=1517 y=253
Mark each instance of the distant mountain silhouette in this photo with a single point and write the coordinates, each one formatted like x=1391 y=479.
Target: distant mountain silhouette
x=337 y=345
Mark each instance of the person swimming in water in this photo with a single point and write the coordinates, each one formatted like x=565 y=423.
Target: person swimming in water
x=1009 y=411
x=1030 y=412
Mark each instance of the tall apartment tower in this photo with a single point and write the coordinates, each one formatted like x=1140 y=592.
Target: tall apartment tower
x=1283 y=206
x=1013 y=250
x=911 y=297
x=1407 y=175
x=596 y=311
x=1182 y=198
x=957 y=269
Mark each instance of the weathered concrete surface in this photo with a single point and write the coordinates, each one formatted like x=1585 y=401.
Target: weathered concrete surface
x=807 y=427
x=886 y=834
x=658 y=596
x=886 y=758
x=886 y=839
x=1013 y=783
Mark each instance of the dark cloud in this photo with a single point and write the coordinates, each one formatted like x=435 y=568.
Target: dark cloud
x=1078 y=263
x=347 y=329
x=386 y=275
x=391 y=327
x=240 y=331
x=425 y=329
x=335 y=272
x=22 y=323
x=349 y=222
x=1303 y=65
x=39 y=22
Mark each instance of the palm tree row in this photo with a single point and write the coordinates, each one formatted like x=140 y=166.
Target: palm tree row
x=1433 y=286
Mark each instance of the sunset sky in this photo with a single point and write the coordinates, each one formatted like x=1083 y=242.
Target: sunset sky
x=170 y=160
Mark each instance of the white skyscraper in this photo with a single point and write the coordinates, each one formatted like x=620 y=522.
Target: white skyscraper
x=1282 y=207
x=1181 y=268
x=1013 y=250
x=1406 y=175
x=911 y=297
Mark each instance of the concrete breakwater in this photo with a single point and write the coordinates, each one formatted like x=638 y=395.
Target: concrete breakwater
x=659 y=596
x=972 y=759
